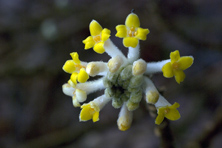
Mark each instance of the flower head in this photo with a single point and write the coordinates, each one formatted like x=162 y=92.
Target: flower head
x=131 y=31
x=91 y=110
x=76 y=68
x=170 y=112
x=124 y=79
x=97 y=38
x=176 y=66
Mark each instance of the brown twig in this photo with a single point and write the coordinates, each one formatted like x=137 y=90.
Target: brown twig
x=163 y=130
x=211 y=129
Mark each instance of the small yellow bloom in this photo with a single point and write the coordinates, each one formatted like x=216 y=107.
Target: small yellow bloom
x=73 y=65
x=131 y=31
x=97 y=38
x=75 y=68
x=170 y=112
x=177 y=66
x=82 y=76
x=89 y=111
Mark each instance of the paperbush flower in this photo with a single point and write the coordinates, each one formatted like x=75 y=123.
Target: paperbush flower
x=131 y=31
x=124 y=79
x=97 y=38
x=176 y=66
x=76 y=68
x=167 y=110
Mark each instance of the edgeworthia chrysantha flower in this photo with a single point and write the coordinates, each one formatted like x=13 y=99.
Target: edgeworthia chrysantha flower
x=124 y=79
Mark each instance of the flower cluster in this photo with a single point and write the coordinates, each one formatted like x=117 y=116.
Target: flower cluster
x=124 y=79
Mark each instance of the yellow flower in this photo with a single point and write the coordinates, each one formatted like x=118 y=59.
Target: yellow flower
x=82 y=76
x=89 y=111
x=170 y=112
x=75 y=68
x=176 y=66
x=73 y=65
x=131 y=31
x=97 y=38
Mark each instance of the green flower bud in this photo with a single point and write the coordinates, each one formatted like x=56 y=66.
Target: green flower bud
x=109 y=92
x=126 y=73
x=136 y=81
x=117 y=102
x=132 y=106
x=124 y=98
x=136 y=97
x=107 y=83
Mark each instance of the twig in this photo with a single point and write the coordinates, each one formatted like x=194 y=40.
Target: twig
x=163 y=130
x=211 y=129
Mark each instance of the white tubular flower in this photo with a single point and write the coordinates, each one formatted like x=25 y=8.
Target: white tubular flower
x=80 y=95
x=125 y=118
x=151 y=93
x=91 y=86
x=68 y=89
x=115 y=63
x=96 y=68
x=124 y=80
x=133 y=53
x=112 y=50
x=76 y=94
x=154 y=67
x=75 y=102
x=139 y=67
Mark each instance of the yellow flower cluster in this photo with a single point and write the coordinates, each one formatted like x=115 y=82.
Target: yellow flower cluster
x=124 y=78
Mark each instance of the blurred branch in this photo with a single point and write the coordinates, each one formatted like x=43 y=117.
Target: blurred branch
x=211 y=129
x=163 y=130
x=63 y=136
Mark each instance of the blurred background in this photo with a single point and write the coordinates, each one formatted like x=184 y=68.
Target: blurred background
x=36 y=38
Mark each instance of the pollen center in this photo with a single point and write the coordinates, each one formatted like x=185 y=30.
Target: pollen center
x=122 y=87
x=175 y=65
x=97 y=38
x=132 y=32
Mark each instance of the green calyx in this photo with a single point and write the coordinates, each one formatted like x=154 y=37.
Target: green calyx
x=122 y=87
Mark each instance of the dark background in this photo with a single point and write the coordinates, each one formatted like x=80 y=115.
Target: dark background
x=36 y=37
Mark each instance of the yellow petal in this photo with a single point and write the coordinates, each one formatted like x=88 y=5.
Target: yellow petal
x=73 y=77
x=142 y=33
x=179 y=76
x=132 y=20
x=167 y=70
x=75 y=57
x=160 y=117
x=82 y=76
x=185 y=62
x=130 y=42
x=69 y=66
x=86 y=112
x=173 y=114
x=95 y=117
x=175 y=105
x=174 y=56
x=89 y=42
x=105 y=34
x=95 y=28
x=99 y=48
x=121 y=31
